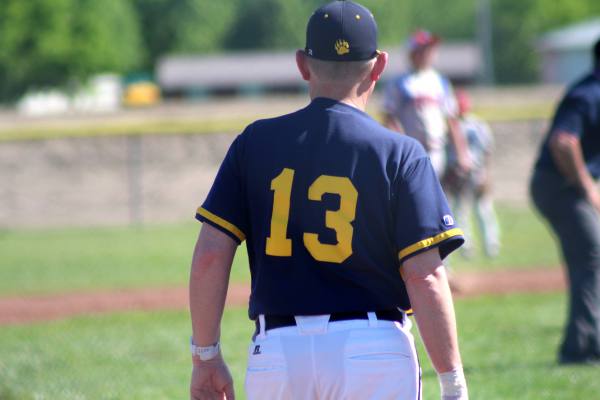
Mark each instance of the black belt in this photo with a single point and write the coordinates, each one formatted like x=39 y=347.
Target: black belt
x=282 y=321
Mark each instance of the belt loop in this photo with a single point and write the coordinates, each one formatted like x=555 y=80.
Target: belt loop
x=261 y=326
x=404 y=316
x=372 y=319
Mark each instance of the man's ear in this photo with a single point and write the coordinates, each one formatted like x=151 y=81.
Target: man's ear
x=379 y=67
x=302 y=63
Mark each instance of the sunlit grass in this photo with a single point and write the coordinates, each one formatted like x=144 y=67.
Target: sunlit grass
x=54 y=260
x=508 y=347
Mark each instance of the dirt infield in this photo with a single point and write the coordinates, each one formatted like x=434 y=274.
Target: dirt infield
x=28 y=309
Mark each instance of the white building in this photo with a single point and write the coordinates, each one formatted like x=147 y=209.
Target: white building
x=249 y=71
x=566 y=53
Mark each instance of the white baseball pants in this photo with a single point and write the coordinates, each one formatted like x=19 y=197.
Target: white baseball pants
x=317 y=359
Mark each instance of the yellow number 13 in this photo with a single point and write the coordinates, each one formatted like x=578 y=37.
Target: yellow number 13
x=339 y=220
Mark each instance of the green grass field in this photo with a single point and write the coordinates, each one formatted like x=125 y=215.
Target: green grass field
x=508 y=343
x=526 y=243
x=508 y=346
x=46 y=261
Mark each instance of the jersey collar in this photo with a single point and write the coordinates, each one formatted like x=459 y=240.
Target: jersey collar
x=326 y=103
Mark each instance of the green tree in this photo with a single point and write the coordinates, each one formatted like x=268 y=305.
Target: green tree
x=517 y=24
x=268 y=24
x=33 y=43
x=158 y=22
x=183 y=26
x=204 y=25
x=513 y=34
x=282 y=23
x=392 y=20
x=105 y=36
x=449 y=19
x=50 y=42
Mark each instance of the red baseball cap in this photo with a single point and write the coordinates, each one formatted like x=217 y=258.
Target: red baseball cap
x=422 y=38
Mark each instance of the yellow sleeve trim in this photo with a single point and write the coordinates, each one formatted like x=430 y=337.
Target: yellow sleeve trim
x=425 y=243
x=222 y=223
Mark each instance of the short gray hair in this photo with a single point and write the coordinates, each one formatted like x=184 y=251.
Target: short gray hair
x=343 y=72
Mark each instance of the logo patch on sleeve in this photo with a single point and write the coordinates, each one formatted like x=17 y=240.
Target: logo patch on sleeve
x=256 y=349
x=448 y=220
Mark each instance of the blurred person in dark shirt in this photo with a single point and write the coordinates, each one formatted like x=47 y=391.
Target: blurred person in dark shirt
x=564 y=190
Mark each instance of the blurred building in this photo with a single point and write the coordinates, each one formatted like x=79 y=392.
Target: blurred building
x=566 y=52
x=256 y=72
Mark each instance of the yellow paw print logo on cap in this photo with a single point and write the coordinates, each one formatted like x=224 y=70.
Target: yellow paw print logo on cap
x=342 y=47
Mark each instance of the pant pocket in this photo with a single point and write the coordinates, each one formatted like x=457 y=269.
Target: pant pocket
x=378 y=344
x=266 y=374
x=381 y=364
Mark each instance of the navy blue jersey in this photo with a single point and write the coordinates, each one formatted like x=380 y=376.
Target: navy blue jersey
x=579 y=114
x=330 y=203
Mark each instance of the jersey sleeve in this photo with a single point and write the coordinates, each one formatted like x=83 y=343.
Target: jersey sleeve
x=570 y=116
x=224 y=207
x=423 y=217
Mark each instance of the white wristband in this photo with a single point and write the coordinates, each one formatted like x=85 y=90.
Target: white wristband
x=204 y=353
x=453 y=385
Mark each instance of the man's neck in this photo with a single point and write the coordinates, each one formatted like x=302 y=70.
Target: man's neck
x=351 y=99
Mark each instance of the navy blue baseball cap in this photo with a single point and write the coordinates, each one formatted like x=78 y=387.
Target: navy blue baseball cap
x=342 y=31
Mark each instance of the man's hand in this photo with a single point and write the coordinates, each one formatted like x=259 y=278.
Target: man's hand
x=465 y=162
x=211 y=380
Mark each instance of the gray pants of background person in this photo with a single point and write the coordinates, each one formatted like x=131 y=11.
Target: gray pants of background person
x=577 y=226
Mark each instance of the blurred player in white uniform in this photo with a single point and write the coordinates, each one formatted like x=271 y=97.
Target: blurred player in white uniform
x=421 y=104
x=472 y=191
